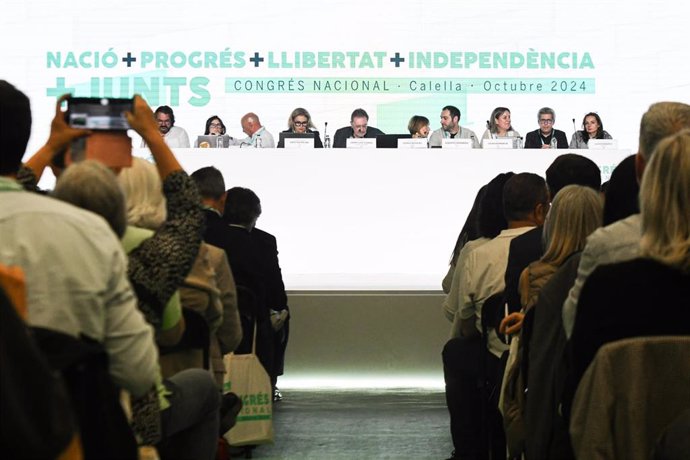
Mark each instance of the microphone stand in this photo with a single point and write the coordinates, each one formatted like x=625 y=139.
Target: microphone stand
x=326 y=137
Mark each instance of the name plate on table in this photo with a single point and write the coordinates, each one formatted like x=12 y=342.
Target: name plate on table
x=503 y=143
x=457 y=143
x=299 y=142
x=417 y=143
x=360 y=143
x=602 y=144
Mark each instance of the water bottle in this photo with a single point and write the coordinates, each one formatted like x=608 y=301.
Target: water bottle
x=219 y=142
x=554 y=143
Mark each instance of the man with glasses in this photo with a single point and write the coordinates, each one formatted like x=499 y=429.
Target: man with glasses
x=546 y=137
x=359 y=128
x=174 y=136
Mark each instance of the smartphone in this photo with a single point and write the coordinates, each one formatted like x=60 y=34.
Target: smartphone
x=98 y=113
x=105 y=118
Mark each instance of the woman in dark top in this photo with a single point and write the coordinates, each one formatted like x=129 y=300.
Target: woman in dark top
x=650 y=295
x=300 y=122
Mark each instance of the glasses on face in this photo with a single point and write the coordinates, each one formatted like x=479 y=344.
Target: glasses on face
x=163 y=122
x=300 y=123
x=546 y=121
x=216 y=125
x=360 y=126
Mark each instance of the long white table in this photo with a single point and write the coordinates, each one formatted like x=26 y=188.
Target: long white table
x=379 y=219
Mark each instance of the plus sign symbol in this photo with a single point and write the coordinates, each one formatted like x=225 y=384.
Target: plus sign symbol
x=257 y=59
x=129 y=59
x=397 y=59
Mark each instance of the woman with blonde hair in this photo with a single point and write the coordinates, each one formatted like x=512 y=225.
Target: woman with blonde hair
x=647 y=296
x=299 y=122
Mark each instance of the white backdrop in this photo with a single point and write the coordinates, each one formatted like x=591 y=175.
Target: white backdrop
x=625 y=58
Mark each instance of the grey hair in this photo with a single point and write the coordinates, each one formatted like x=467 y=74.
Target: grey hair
x=545 y=111
x=92 y=186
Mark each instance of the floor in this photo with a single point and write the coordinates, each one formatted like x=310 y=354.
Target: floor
x=359 y=424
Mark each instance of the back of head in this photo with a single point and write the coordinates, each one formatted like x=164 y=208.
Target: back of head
x=143 y=194
x=93 y=186
x=242 y=206
x=665 y=203
x=15 y=127
x=576 y=211
x=490 y=217
x=210 y=182
x=661 y=120
x=572 y=168
x=521 y=195
x=621 y=197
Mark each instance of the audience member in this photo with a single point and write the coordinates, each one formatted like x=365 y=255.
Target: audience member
x=620 y=198
x=620 y=241
x=256 y=254
x=300 y=122
x=188 y=401
x=418 y=126
x=646 y=295
x=91 y=298
x=593 y=128
x=525 y=204
x=489 y=222
x=451 y=129
x=576 y=212
x=257 y=135
x=174 y=136
x=546 y=137
x=469 y=232
x=359 y=128
x=499 y=126
x=525 y=201
x=566 y=169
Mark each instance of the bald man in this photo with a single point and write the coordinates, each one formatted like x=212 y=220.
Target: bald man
x=257 y=136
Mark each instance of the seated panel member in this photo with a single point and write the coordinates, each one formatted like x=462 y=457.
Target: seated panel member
x=541 y=138
x=499 y=126
x=418 y=126
x=214 y=127
x=451 y=129
x=300 y=122
x=174 y=136
x=593 y=129
x=257 y=135
x=359 y=128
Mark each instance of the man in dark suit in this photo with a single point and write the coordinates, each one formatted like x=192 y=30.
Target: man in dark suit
x=359 y=128
x=567 y=169
x=253 y=254
x=543 y=137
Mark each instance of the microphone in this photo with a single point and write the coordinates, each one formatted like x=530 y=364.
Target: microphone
x=326 y=137
x=488 y=125
x=574 y=126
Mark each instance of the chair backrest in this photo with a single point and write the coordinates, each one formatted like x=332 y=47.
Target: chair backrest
x=83 y=363
x=36 y=420
x=630 y=392
x=197 y=335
